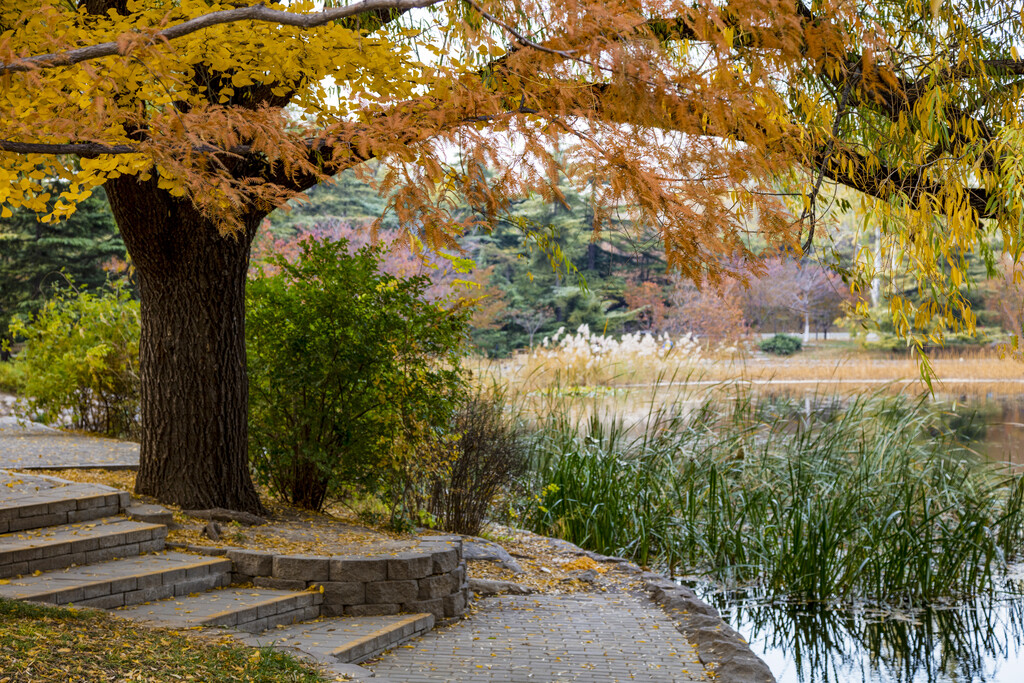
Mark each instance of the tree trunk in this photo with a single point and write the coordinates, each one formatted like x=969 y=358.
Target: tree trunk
x=194 y=386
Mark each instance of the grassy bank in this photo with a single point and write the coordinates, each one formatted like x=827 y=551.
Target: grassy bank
x=870 y=499
x=51 y=645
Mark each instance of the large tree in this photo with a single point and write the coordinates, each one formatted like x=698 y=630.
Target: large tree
x=198 y=118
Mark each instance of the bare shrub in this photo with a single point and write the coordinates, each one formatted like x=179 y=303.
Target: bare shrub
x=491 y=454
x=712 y=314
x=1005 y=295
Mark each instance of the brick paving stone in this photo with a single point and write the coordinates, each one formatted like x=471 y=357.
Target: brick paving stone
x=602 y=637
x=28 y=446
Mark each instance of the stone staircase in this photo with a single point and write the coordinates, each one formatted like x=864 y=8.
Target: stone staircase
x=66 y=543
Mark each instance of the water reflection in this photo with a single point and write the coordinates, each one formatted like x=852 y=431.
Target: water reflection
x=993 y=426
x=982 y=642
x=1004 y=417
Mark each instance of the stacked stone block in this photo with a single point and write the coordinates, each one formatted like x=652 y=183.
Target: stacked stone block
x=430 y=578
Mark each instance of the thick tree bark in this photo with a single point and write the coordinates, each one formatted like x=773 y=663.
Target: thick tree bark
x=194 y=393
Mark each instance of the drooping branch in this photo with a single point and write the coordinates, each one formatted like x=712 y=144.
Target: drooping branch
x=255 y=13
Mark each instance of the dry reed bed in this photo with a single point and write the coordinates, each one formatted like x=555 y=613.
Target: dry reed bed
x=588 y=363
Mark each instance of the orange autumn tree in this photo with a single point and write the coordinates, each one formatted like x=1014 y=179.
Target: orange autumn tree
x=709 y=119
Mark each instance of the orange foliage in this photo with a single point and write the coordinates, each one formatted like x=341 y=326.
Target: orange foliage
x=693 y=114
x=648 y=298
x=234 y=116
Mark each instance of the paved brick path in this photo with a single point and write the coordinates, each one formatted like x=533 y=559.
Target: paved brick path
x=31 y=446
x=589 y=638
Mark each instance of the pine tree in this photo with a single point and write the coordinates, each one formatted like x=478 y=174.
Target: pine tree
x=36 y=256
x=349 y=198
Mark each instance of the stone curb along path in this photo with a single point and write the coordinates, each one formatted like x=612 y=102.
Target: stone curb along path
x=717 y=643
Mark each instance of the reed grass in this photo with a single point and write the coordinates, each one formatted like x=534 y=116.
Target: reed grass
x=874 y=500
x=595 y=361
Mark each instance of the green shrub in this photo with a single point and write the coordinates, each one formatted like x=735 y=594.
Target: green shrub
x=781 y=345
x=80 y=361
x=12 y=377
x=351 y=371
x=983 y=336
x=491 y=453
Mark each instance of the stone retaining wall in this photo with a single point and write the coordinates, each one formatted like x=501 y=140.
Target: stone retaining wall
x=431 y=577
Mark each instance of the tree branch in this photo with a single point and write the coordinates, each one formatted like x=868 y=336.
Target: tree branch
x=90 y=150
x=886 y=181
x=82 y=149
x=520 y=38
x=255 y=13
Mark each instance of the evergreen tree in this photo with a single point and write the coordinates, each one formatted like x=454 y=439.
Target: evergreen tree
x=36 y=256
x=348 y=198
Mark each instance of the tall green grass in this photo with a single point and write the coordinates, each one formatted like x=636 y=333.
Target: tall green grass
x=876 y=500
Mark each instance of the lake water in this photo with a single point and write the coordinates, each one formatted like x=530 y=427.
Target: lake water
x=1003 y=438
x=980 y=642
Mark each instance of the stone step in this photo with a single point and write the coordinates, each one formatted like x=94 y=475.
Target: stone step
x=34 y=501
x=246 y=609
x=145 y=512
x=348 y=640
x=128 y=581
x=65 y=545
